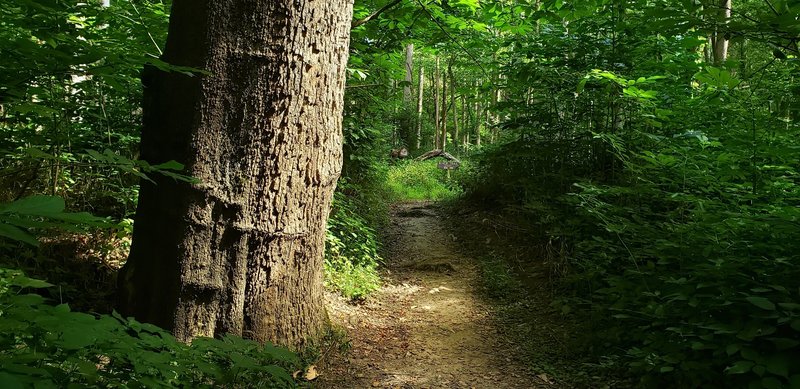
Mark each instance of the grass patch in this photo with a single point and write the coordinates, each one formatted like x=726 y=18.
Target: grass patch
x=414 y=181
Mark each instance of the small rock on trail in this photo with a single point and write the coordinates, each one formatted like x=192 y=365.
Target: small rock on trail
x=427 y=327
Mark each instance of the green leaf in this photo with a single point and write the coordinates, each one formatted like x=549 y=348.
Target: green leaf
x=761 y=302
x=25 y=282
x=36 y=206
x=171 y=165
x=17 y=234
x=771 y=383
x=582 y=85
x=76 y=339
x=279 y=373
x=778 y=365
x=740 y=367
x=784 y=343
x=9 y=381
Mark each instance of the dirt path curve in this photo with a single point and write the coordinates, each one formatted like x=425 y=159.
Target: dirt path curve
x=427 y=327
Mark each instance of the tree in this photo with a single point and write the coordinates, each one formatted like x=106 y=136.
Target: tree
x=241 y=251
x=420 y=101
x=409 y=80
x=718 y=38
x=436 y=107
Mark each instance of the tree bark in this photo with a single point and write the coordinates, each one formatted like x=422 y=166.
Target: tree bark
x=437 y=107
x=420 y=102
x=445 y=108
x=241 y=251
x=719 y=42
x=478 y=115
x=464 y=120
x=454 y=102
x=409 y=80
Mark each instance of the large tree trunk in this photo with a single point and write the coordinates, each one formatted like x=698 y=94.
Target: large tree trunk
x=241 y=252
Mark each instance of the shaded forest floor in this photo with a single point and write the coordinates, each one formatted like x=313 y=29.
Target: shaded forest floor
x=430 y=325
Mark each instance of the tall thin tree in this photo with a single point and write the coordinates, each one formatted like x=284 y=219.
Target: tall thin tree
x=420 y=101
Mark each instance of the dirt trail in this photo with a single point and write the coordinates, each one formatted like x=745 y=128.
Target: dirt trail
x=427 y=327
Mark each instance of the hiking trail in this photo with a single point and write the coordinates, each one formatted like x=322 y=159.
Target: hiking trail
x=428 y=326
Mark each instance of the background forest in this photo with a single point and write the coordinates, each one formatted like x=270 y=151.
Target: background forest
x=646 y=151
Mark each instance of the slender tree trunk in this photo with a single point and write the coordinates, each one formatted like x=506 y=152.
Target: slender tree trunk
x=465 y=120
x=409 y=65
x=719 y=42
x=478 y=116
x=494 y=117
x=454 y=102
x=241 y=251
x=420 y=101
x=445 y=107
x=437 y=107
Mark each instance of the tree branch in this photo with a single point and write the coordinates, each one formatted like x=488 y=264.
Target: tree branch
x=375 y=14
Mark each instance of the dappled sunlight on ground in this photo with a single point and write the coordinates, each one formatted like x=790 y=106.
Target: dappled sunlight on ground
x=427 y=327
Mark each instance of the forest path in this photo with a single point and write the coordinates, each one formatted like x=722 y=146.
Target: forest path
x=428 y=326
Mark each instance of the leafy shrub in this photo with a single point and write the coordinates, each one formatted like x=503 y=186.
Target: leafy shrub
x=47 y=346
x=420 y=181
x=681 y=236
x=351 y=252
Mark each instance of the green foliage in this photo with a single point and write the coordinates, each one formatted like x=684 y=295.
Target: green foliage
x=497 y=277
x=420 y=181
x=69 y=84
x=42 y=345
x=671 y=185
x=351 y=252
x=40 y=212
x=360 y=205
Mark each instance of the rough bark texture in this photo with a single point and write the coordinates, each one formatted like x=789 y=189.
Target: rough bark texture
x=241 y=252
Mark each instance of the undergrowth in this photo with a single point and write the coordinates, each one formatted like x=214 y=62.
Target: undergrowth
x=351 y=252
x=414 y=181
x=678 y=241
x=50 y=346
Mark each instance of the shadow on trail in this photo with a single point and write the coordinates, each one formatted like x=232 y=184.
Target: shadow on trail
x=427 y=327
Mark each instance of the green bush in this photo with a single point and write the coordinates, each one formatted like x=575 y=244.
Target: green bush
x=420 y=181
x=46 y=346
x=680 y=236
x=351 y=252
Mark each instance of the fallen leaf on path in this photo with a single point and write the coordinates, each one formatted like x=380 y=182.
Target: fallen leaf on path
x=311 y=373
x=545 y=378
x=439 y=289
